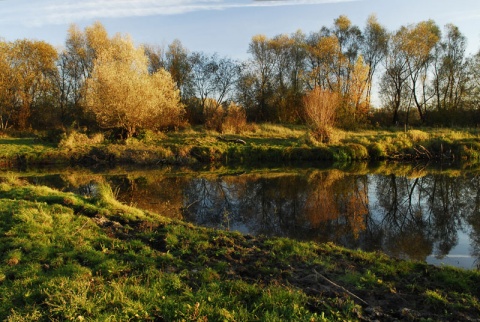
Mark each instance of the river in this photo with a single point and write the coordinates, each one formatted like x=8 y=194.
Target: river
x=409 y=211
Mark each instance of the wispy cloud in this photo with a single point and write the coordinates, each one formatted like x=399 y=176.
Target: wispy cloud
x=43 y=12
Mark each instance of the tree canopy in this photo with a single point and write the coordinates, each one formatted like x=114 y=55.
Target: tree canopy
x=121 y=93
x=420 y=72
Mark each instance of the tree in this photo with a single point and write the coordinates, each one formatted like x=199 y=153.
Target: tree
x=7 y=95
x=156 y=58
x=121 y=93
x=450 y=70
x=212 y=79
x=74 y=67
x=324 y=55
x=393 y=85
x=179 y=67
x=33 y=72
x=260 y=74
x=335 y=65
x=358 y=90
x=374 y=49
x=418 y=42
x=473 y=81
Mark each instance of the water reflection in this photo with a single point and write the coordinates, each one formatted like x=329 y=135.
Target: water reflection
x=433 y=217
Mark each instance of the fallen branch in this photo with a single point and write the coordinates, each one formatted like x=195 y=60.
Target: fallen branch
x=425 y=151
x=239 y=141
x=339 y=287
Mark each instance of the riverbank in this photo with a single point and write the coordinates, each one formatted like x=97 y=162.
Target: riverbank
x=263 y=143
x=67 y=257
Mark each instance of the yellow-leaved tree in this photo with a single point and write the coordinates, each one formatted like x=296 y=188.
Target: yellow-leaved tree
x=120 y=91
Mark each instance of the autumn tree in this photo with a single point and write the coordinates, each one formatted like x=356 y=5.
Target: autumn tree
x=121 y=92
x=393 y=84
x=271 y=85
x=418 y=43
x=288 y=82
x=336 y=64
x=74 y=65
x=407 y=68
x=473 y=82
x=32 y=72
x=178 y=65
x=450 y=75
x=156 y=57
x=374 y=49
x=7 y=97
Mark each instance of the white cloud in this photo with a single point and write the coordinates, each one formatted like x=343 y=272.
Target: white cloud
x=47 y=12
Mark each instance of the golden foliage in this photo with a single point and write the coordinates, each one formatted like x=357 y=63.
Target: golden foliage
x=236 y=119
x=122 y=93
x=320 y=106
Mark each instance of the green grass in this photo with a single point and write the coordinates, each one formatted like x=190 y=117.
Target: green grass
x=264 y=143
x=66 y=257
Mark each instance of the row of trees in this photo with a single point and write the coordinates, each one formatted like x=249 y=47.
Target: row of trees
x=96 y=80
x=324 y=78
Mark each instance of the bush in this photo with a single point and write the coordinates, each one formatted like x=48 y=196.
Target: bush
x=74 y=139
x=214 y=114
x=320 y=108
x=236 y=119
x=417 y=135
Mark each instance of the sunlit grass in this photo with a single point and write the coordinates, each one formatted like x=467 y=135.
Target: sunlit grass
x=263 y=143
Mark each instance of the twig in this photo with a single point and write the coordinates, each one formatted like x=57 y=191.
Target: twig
x=340 y=287
x=79 y=229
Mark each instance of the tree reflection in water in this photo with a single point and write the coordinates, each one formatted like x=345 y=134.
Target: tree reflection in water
x=406 y=217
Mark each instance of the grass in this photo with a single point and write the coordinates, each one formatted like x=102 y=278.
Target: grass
x=264 y=143
x=67 y=257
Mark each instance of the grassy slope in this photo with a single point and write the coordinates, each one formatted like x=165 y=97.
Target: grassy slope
x=63 y=257
x=266 y=143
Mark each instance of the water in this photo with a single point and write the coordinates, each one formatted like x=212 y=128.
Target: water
x=421 y=215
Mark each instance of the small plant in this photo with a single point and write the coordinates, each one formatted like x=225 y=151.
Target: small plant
x=226 y=219
x=435 y=298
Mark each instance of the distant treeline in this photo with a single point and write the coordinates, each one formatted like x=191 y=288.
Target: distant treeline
x=421 y=72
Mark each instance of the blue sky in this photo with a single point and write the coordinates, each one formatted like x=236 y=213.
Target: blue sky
x=223 y=26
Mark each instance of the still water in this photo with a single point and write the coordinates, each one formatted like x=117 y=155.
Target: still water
x=432 y=216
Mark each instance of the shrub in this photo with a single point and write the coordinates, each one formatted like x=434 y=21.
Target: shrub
x=320 y=108
x=75 y=138
x=417 y=135
x=214 y=114
x=236 y=119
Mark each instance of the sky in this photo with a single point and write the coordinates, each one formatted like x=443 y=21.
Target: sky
x=223 y=26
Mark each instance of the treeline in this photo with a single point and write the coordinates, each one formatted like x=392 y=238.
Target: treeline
x=324 y=79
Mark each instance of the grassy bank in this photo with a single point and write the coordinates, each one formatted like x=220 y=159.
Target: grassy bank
x=65 y=257
x=264 y=143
